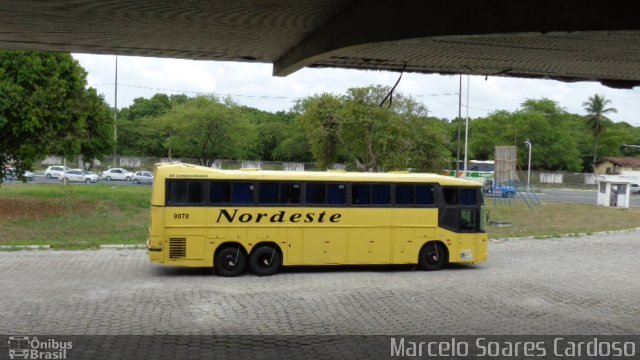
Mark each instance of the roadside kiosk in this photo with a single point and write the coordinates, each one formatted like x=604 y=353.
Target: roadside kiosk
x=614 y=191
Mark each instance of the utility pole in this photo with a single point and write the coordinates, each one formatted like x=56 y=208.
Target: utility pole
x=466 y=132
x=115 y=118
x=528 y=143
x=459 y=125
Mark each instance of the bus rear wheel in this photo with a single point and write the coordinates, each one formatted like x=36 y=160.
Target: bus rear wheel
x=230 y=261
x=265 y=260
x=433 y=256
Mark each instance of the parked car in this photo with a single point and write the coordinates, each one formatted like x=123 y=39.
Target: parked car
x=117 y=174
x=142 y=177
x=635 y=188
x=55 y=171
x=80 y=175
x=10 y=174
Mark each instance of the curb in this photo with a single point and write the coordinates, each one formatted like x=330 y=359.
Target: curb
x=25 y=247
x=545 y=237
x=48 y=247
x=122 y=246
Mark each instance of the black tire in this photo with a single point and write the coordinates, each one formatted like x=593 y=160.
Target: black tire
x=48 y=176
x=108 y=178
x=230 y=261
x=433 y=256
x=265 y=260
x=128 y=178
x=87 y=181
x=135 y=181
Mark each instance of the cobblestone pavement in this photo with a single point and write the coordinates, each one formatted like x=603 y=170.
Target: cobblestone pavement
x=587 y=285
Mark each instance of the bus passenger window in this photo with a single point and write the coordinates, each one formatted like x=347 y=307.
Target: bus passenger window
x=243 y=193
x=450 y=195
x=185 y=192
x=290 y=193
x=468 y=197
x=268 y=193
x=404 y=194
x=220 y=192
x=424 y=194
x=361 y=194
x=336 y=194
x=381 y=194
x=315 y=193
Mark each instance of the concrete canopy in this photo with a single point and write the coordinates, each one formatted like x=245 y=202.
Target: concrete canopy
x=569 y=40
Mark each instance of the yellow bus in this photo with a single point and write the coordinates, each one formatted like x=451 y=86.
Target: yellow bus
x=235 y=220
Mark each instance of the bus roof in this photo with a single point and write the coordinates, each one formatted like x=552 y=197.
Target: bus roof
x=188 y=171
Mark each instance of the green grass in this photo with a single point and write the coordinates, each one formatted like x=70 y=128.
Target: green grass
x=558 y=219
x=81 y=217
x=74 y=216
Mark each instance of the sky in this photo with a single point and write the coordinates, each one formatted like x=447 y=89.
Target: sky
x=252 y=84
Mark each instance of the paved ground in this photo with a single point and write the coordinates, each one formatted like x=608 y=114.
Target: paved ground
x=585 y=285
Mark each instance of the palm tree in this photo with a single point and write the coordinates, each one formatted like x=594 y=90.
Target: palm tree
x=596 y=108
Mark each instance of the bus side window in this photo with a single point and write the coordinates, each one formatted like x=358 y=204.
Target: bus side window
x=243 y=193
x=220 y=192
x=450 y=195
x=424 y=195
x=336 y=194
x=381 y=194
x=290 y=193
x=361 y=194
x=185 y=192
x=468 y=196
x=404 y=194
x=315 y=193
x=268 y=193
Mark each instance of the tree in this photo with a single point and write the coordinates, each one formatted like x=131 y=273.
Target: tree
x=556 y=135
x=596 y=107
x=206 y=129
x=46 y=108
x=320 y=120
x=369 y=137
x=138 y=132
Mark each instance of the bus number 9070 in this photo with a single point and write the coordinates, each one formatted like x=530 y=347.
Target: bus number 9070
x=180 y=216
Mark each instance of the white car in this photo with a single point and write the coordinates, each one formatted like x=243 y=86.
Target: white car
x=55 y=171
x=635 y=188
x=142 y=177
x=79 y=175
x=117 y=174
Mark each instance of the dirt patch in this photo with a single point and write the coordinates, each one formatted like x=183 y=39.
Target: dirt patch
x=22 y=208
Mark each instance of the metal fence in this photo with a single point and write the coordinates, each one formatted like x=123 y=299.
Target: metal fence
x=558 y=177
x=147 y=163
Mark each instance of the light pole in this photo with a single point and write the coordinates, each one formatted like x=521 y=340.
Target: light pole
x=115 y=117
x=528 y=143
x=466 y=132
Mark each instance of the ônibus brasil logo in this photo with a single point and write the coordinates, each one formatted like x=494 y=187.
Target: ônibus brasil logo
x=25 y=347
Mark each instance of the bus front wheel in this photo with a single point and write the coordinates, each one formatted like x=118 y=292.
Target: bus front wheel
x=433 y=256
x=230 y=261
x=265 y=260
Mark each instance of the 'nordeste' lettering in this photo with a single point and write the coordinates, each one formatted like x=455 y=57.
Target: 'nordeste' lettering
x=281 y=216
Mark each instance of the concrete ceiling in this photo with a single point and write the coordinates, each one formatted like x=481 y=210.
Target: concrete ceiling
x=569 y=40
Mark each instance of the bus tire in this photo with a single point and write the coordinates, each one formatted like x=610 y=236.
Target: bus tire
x=230 y=261
x=433 y=256
x=265 y=260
